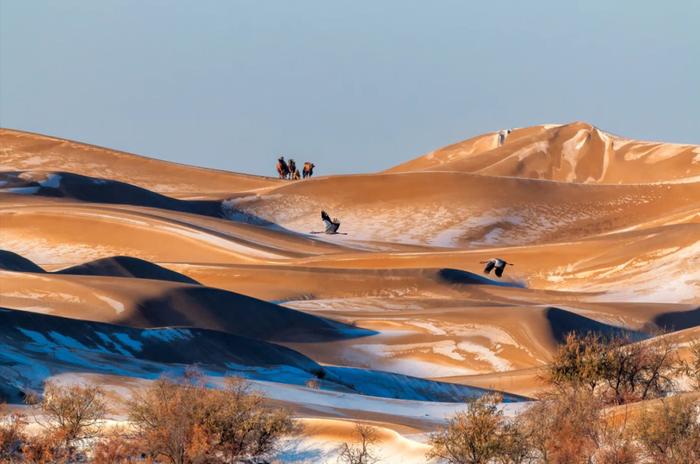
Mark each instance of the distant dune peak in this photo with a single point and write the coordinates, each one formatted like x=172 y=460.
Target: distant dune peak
x=10 y=261
x=127 y=266
x=577 y=152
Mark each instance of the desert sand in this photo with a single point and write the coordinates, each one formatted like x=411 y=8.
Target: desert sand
x=117 y=268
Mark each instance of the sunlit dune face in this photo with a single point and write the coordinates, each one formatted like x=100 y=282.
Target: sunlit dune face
x=116 y=268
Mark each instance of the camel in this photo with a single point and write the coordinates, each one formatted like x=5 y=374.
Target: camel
x=308 y=170
x=292 y=167
x=296 y=175
x=282 y=168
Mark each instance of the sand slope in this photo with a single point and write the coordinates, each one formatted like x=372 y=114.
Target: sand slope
x=576 y=152
x=395 y=322
x=150 y=303
x=26 y=151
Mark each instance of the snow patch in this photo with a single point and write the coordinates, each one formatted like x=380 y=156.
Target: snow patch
x=116 y=305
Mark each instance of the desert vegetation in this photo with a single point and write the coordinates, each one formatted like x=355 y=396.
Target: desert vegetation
x=610 y=402
x=178 y=421
x=362 y=452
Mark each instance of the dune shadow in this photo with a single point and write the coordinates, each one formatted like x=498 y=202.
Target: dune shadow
x=458 y=276
x=31 y=342
x=563 y=322
x=127 y=266
x=678 y=320
x=10 y=261
x=223 y=310
x=97 y=190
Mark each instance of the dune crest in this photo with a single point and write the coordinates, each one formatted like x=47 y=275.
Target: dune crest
x=576 y=152
x=116 y=268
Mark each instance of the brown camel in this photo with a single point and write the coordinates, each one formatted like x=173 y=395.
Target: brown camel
x=292 y=167
x=282 y=168
x=308 y=170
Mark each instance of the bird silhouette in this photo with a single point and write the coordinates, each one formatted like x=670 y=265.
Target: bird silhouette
x=495 y=263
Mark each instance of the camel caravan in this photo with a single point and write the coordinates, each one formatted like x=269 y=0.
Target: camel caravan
x=288 y=169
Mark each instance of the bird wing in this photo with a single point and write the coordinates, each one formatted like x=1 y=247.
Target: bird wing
x=499 y=271
x=489 y=267
x=325 y=216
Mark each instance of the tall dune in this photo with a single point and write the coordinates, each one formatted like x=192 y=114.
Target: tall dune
x=576 y=152
x=392 y=322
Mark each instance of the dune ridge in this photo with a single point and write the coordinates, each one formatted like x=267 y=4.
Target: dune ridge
x=394 y=323
x=575 y=152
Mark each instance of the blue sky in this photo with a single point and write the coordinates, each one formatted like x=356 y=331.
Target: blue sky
x=355 y=86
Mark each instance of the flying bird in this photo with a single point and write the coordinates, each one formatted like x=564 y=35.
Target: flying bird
x=332 y=225
x=495 y=263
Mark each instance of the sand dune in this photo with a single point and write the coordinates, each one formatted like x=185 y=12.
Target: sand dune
x=13 y=262
x=615 y=267
x=442 y=339
x=97 y=190
x=149 y=303
x=126 y=266
x=33 y=345
x=40 y=229
x=576 y=152
x=118 y=268
x=451 y=209
x=25 y=151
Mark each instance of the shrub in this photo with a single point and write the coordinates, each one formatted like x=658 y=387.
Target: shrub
x=671 y=435
x=579 y=362
x=472 y=436
x=12 y=434
x=184 y=422
x=69 y=415
x=118 y=446
x=75 y=412
x=616 y=369
x=692 y=367
x=563 y=427
x=363 y=452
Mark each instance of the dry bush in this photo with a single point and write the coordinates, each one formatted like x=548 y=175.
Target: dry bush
x=516 y=447
x=69 y=415
x=563 y=427
x=616 y=444
x=163 y=416
x=118 y=446
x=670 y=435
x=184 y=422
x=363 y=452
x=616 y=369
x=625 y=454
x=73 y=412
x=639 y=371
x=474 y=436
x=47 y=448
x=12 y=434
x=692 y=367
x=579 y=362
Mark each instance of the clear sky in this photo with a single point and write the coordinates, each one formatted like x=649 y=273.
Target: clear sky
x=355 y=86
